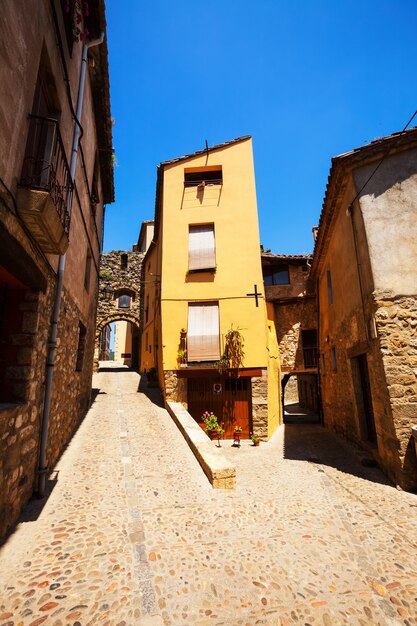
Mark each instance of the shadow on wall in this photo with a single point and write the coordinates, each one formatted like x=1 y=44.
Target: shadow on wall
x=153 y=393
x=318 y=445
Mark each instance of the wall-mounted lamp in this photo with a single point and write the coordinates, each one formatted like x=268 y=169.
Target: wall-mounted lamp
x=108 y=293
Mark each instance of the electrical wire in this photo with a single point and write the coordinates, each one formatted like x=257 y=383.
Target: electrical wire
x=383 y=158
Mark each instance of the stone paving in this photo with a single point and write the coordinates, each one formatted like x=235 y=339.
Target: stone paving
x=133 y=534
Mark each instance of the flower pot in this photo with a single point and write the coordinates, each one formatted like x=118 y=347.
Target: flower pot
x=237 y=436
x=213 y=434
x=256 y=443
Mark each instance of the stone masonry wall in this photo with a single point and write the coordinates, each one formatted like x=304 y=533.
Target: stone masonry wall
x=396 y=320
x=291 y=319
x=260 y=406
x=175 y=388
x=71 y=392
x=112 y=274
x=20 y=421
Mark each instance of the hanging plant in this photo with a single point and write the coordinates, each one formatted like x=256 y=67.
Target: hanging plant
x=234 y=348
x=233 y=351
x=77 y=11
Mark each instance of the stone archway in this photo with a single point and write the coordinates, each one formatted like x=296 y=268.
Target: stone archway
x=119 y=295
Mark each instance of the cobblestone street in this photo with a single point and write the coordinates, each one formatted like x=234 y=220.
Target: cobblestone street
x=132 y=533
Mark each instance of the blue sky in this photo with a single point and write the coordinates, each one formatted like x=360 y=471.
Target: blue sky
x=308 y=79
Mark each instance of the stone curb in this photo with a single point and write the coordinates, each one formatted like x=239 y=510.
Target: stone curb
x=221 y=474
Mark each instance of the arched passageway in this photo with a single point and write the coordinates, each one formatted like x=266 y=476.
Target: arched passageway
x=119 y=302
x=300 y=398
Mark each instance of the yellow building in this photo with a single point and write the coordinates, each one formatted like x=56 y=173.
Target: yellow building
x=203 y=279
x=123 y=342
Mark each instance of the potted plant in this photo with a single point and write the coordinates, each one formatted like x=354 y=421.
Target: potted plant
x=211 y=424
x=254 y=439
x=237 y=433
x=182 y=355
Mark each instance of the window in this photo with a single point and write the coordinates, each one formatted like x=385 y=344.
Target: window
x=201 y=248
x=147 y=309
x=203 y=332
x=43 y=150
x=95 y=197
x=87 y=271
x=124 y=302
x=334 y=360
x=276 y=275
x=123 y=261
x=82 y=332
x=329 y=287
x=309 y=343
x=203 y=176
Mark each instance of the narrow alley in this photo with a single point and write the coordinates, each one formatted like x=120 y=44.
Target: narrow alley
x=132 y=533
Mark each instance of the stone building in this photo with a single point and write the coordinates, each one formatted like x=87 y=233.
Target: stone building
x=56 y=174
x=365 y=271
x=295 y=314
x=203 y=279
x=119 y=299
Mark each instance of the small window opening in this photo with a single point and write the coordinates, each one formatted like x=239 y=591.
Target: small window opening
x=147 y=309
x=124 y=302
x=82 y=333
x=329 y=287
x=87 y=272
x=204 y=176
x=123 y=262
x=334 y=359
x=276 y=275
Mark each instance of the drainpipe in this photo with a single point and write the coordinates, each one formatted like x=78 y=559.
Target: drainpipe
x=50 y=361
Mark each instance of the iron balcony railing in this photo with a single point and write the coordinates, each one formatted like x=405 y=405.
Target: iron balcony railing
x=203 y=182
x=310 y=357
x=45 y=166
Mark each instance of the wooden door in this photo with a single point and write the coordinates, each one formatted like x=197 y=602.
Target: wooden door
x=237 y=410
x=202 y=397
x=232 y=405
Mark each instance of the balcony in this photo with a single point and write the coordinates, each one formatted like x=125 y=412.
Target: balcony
x=45 y=186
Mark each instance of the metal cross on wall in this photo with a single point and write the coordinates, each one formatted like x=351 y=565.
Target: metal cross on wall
x=256 y=294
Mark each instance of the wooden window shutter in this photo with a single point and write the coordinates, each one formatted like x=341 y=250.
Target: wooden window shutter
x=201 y=247
x=203 y=342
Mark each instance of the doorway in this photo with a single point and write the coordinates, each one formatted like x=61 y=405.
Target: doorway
x=362 y=387
x=228 y=398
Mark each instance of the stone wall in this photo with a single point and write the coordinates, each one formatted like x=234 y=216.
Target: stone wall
x=20 y=421
x=291 y=318
x=260 y=406
x=175 y=387
x=396 y=320
x=120 y=278
x=71 y=393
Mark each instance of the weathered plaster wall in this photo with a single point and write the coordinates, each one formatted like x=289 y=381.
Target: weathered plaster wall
x=347 y=323
x=388 y=204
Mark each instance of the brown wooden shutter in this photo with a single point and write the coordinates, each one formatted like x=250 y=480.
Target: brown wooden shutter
x=203 y=332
